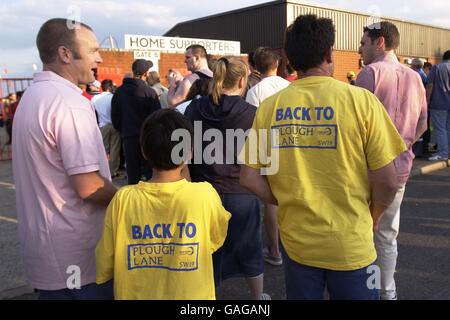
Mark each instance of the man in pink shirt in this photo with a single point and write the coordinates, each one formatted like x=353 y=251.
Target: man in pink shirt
x=63 y=183
x=401 y=91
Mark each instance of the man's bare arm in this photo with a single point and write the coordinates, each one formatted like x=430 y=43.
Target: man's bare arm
x=178 y=94
x=93 y=187
x=384 y=186
x=251 y=179
x=422 y=126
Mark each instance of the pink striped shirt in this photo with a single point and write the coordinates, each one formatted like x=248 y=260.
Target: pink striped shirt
x=400 y=90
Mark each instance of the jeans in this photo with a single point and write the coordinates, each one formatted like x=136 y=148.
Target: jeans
x=90 y=291
x=386 y=245
x=241 y=254
x=441 y=125
x=308 y=283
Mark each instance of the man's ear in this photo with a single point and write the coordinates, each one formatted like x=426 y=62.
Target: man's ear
x=64 y=54
x=381 y=43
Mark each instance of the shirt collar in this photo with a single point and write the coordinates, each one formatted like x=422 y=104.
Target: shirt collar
x=386 y=57
x=52 y=76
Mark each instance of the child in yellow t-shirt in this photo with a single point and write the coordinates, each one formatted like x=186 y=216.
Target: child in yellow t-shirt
x=159 y=235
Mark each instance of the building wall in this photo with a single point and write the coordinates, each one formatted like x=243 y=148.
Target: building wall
x=256 y=26
x=117 y=63
x=345 y=61
x=265 y=25
x=417 y=40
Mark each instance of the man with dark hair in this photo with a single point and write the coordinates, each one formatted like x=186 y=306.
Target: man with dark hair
x=196 y=60
x=170 y=226
x=266 y=62
x=384 y=29
x=401 y=91
x=438 y=97
x=60 y=167
x=111 y=137
x=326 y=137
x=132 y=103
x=255 y=76
x=427 y=68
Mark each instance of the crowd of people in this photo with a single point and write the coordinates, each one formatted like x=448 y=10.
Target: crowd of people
x=187 y=221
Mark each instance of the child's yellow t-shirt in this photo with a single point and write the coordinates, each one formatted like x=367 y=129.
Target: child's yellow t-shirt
x=158 y=241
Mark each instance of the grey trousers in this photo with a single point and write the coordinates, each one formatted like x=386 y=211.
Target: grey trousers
x=111 y=141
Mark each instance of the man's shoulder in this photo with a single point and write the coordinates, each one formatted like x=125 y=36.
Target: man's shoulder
x=101 y=97
x=282 y=80
x=56 y=95
x=191 y=78
x=442 y=67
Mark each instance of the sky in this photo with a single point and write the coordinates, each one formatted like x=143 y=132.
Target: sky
x=20 y=19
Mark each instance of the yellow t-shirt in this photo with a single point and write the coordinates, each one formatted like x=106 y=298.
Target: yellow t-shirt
x=328 y=135
x=158 y=241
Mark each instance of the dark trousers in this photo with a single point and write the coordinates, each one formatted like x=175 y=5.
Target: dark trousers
x=427 y=135
x=135 y=162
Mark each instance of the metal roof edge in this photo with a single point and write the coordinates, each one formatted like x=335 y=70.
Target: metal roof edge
x=304 y=3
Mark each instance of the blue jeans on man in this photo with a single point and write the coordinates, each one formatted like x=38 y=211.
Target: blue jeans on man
x=441 y=125
x=309 y=283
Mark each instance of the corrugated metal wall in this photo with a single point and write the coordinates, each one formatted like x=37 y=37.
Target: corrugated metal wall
x=261 y=26
x=265 y=25
x=416 y=40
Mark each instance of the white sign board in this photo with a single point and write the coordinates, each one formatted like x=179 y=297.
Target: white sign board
x=179 y=45
x=153 y=56
x=147 y=55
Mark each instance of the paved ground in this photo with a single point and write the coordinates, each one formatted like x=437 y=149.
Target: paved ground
x=424 y=243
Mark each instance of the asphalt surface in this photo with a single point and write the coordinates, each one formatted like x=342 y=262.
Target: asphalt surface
x=423 y=269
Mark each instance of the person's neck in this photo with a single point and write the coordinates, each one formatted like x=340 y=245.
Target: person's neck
x=382 y=54
x=60 y=72
x=319 y=71
x=166 y=176
x=232 y=92
x=270 y=73
x=140 y=78
x=202 y=66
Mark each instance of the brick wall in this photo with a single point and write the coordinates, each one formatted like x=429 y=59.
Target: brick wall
x=345 y=61
x=118 y=63
x=115 y=65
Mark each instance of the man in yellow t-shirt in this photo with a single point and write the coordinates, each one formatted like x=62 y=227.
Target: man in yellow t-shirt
x=328 y=155
x=159 y=236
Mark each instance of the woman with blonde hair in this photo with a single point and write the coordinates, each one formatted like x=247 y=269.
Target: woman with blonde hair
x=224 y=109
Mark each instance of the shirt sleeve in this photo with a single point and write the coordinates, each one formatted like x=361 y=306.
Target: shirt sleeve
x=78 y=139
x=104 y=252
x=218 y=222
x=383 y=142
x=366 y=79
x=252 y=97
